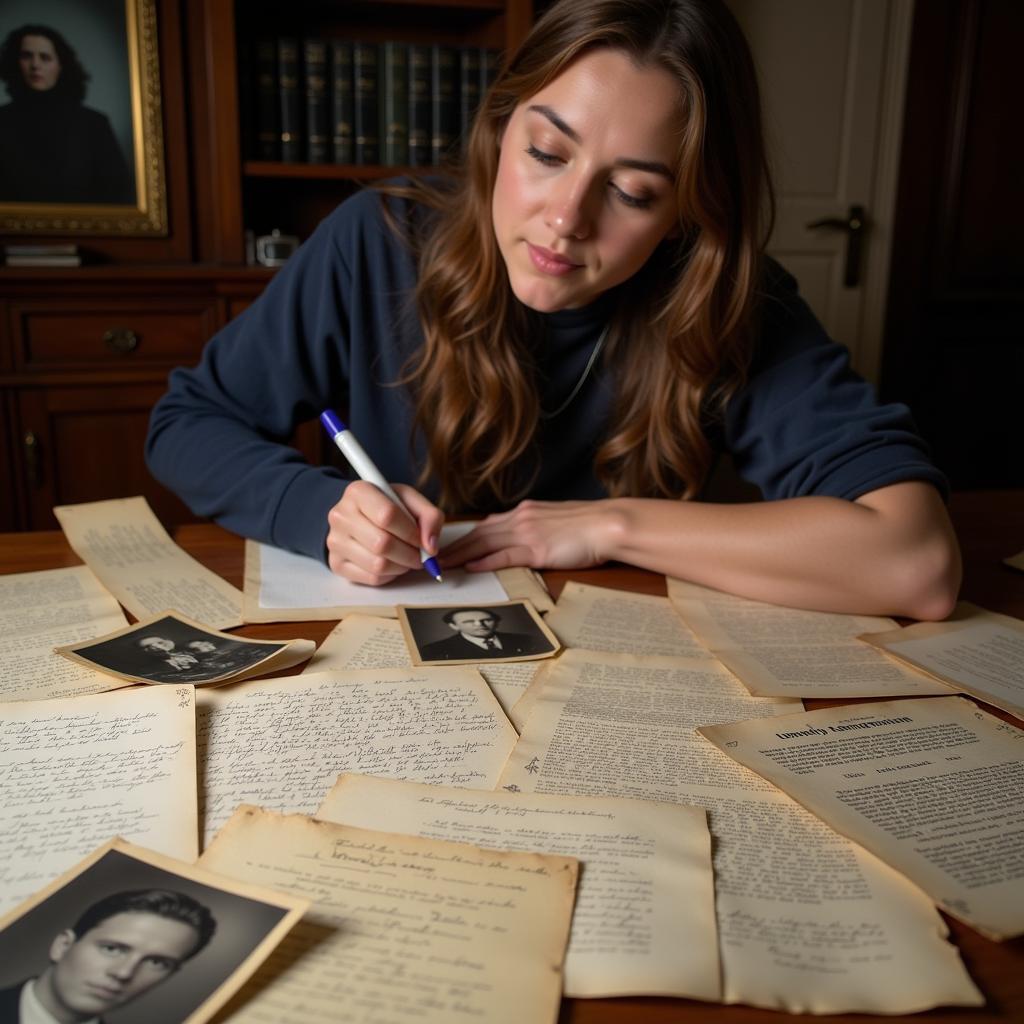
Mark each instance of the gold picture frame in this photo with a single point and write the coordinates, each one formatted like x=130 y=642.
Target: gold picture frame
x=137 y=60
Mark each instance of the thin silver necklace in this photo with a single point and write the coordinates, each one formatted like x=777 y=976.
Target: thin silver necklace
x=598 y=345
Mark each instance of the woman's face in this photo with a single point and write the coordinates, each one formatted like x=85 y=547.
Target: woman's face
x=40 y=66
x=585 y=185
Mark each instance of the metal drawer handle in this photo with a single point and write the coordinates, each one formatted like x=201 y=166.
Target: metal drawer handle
x=121 y=340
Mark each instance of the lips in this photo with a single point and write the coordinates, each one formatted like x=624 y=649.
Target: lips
x=106 y=994
x=549 y=262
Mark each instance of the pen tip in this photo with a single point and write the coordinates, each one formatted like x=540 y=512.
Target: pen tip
x=438 y=578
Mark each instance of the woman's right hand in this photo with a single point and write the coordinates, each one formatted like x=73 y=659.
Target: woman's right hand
x=372 y=541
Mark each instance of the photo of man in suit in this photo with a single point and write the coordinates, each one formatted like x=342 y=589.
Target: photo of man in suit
x=477 y=637
x=119 y=948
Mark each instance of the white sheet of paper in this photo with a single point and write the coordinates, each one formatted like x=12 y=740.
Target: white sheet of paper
x=295 y=581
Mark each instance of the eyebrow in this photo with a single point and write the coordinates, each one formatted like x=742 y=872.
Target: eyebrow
x=653 y=166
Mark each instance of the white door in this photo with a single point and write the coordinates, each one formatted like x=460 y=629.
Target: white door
x=832 y=76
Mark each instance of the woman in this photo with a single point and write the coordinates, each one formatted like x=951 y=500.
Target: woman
x=586 y=317
x=53 y=149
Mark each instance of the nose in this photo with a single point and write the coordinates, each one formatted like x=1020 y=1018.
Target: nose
x=123 y=969
x=568 y=211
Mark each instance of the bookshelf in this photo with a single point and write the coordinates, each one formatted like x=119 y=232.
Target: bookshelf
x=85 y=351
x=244 y=193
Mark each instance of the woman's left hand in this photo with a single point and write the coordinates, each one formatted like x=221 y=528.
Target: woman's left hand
x=538 y=534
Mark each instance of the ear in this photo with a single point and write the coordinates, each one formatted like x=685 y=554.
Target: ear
x=61 y=944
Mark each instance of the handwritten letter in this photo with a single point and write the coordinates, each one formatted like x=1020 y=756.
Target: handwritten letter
x=76 y=773
x=43 y=610
x=123 y=542
x=807 y=921
x=646 y=891
x=401 y=928
x=283 y=742
x=787 y=652
x=600 y=619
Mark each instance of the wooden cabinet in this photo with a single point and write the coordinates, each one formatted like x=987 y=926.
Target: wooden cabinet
x=85 y=352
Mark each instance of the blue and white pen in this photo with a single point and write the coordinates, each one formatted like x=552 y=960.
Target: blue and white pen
x=364 y=467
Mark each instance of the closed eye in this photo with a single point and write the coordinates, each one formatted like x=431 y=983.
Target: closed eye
x=637 y=202
x=548 y=159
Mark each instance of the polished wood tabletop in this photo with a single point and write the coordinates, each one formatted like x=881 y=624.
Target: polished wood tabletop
x=990 y=526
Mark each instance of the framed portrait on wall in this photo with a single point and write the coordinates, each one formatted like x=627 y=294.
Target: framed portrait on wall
x=81 y=136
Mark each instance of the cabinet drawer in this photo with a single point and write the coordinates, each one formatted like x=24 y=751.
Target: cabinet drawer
x=114 y=335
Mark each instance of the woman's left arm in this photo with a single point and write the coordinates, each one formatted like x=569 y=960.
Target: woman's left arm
x=892 y=551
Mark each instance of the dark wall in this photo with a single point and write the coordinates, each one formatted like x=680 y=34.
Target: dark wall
x=954 y=345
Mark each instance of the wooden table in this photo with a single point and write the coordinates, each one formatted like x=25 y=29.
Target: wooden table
x=990 y=526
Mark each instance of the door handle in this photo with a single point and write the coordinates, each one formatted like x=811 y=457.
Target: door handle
x=853 y=225
x=30 y=444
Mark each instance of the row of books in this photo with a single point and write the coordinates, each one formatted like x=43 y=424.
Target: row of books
x=37 y=255
x=336 y=101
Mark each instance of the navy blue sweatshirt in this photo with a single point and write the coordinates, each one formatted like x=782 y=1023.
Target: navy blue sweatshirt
x=336 y=325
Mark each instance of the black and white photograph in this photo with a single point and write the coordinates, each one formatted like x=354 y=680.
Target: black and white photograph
x=172 y=649
x=466 y=634
x=131 y=937
x=81 y=145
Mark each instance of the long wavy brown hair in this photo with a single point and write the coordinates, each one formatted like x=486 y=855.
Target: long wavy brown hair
x=681 y=336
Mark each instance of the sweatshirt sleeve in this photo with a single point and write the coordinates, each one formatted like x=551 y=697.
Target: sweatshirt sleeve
x=805 y=423
x=218 y=436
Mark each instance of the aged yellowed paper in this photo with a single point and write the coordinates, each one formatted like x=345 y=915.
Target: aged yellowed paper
x=285 y=741
x=776 y=651
x=77 y=772
x=365 y=641
x=644 y=921
x=248 y=922
x=123 y=543
x=934 y=787
x=42 y=610
x=402 y=928
x=601 y=619
x=808 y=921
x=976 y=651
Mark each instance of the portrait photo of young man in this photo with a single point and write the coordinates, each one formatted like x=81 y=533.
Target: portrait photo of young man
x=118 y=949
x=509 y=632
x=130 y=936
